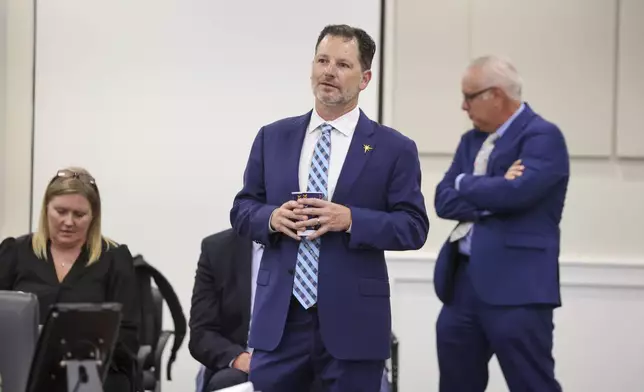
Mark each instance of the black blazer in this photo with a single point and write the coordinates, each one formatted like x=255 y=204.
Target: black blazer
x=110 y=279
x=220 y=312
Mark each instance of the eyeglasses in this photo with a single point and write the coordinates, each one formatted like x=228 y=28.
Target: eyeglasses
x=86 y=178
x=472 y=96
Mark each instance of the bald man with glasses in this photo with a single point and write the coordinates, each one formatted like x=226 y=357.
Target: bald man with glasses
x=498 y=272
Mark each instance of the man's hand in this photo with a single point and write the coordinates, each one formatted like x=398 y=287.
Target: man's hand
x=283 y=219
x=328 y=216
x=516 y=170
x=242 y=362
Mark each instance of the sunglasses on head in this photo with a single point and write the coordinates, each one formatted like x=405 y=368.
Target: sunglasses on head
x=86 y=178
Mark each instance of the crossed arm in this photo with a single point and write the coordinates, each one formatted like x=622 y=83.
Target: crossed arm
x=544 y=162
x=448 y=202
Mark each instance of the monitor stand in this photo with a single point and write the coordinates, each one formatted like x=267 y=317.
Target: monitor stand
x=82 y=376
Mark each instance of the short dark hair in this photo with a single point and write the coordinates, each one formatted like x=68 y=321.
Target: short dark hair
x=366 y=44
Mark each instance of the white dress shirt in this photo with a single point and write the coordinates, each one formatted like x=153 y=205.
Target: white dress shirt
x=258 y=251
x=341 y=136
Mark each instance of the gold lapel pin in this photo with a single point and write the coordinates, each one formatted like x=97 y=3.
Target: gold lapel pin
x=367 y=148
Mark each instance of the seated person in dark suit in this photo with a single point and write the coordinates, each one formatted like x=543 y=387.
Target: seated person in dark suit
x=67 y=260
x=222 y=304
x=222 y=301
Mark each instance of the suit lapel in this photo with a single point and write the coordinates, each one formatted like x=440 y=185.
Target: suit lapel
x=357 y=157
x=511 y=133
x=243 y=260
x=292 y=142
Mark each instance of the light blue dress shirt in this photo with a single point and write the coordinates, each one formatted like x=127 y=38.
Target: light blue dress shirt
x=465 y=244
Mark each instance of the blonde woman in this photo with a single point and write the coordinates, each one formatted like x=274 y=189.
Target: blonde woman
x=68 y=260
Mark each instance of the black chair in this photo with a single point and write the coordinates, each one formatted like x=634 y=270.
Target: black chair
x=153 y=342
x=392 y=367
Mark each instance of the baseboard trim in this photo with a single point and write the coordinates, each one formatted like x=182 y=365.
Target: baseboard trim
x=418 y=267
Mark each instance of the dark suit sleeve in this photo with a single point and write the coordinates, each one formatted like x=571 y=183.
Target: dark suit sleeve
x=7 y=264
x=404 y=225
x=207 y=344
x=122 y=289
x=449 y=204
x=546 y=162
x=250 y=214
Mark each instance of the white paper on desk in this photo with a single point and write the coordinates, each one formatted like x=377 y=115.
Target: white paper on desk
x=245 y=387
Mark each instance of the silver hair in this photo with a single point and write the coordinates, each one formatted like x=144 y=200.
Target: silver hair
x=499 y=72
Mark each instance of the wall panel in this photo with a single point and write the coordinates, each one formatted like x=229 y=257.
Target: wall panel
x=15 y=151
x=565 y=51
x=630 y=98
x=430 y=50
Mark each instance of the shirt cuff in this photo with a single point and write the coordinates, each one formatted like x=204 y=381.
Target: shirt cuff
x=457 y=182
x=270 y=229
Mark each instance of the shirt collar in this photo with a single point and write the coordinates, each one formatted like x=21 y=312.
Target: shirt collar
x=345 y=124
x=504 y=127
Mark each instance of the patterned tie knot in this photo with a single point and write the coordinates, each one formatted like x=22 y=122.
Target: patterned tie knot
x=492 y=138
x=326 y=129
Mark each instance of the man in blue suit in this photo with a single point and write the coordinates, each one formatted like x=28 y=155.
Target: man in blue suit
x=498 y=273
x=322 y=305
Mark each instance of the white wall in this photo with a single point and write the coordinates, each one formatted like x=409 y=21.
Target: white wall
x=3 y=97
x=582 y=63
x=598 y=341
x=16 y=61
x=161 y=99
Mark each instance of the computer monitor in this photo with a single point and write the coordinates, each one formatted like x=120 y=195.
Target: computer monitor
x=19 y=315
x=75 y=348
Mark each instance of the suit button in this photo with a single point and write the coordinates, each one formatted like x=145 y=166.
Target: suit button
x=290 y=271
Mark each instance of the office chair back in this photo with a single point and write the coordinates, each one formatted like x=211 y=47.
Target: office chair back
x=151 y=351
x=19 y=318
x=152 y=337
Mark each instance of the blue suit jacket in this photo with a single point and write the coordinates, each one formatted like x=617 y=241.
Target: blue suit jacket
x=382 y=187
x=515 y=250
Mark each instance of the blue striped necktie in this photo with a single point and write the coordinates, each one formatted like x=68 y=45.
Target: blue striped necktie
x=305 y=284
x=480 y=168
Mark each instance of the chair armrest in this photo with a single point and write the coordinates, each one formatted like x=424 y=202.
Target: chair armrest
x=158 y=352
x=143 y=355
x=394 y=362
